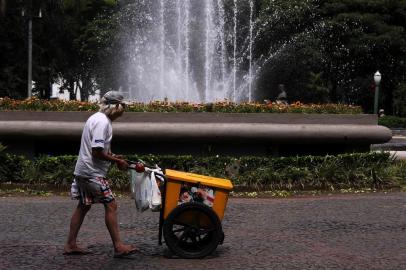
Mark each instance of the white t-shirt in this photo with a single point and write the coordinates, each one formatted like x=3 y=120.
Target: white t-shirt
x=97 y=132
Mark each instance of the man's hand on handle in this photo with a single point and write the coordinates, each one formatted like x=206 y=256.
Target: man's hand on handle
x=118 y=159
x=122 y=164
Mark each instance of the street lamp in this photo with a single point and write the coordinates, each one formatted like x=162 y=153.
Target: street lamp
x=377 y=79
x=29 y=16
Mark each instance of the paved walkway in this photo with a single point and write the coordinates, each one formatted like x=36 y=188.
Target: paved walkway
x=396 y=146
x=327 y=232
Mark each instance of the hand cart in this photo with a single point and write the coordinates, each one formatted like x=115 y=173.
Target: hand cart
x=192 y=209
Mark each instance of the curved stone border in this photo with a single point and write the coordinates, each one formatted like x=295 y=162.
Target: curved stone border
x=226 y=130
x=179 y=117
x=309 y=133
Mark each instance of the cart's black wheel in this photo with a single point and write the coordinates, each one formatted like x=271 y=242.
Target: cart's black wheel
x=192 y=230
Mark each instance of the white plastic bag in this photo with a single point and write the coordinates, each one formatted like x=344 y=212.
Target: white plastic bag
x=155 y=203
x=140 y=189
x=145 y=190
x=74 y=190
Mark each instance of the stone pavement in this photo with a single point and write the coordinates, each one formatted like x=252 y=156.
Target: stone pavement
x=396 y=146
x=325 y=232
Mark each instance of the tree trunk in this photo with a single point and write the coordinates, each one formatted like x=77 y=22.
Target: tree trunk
x=72 y=93
x=86 y=88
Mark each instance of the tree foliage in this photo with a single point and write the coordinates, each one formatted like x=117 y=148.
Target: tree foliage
x=345 y=40
x=64 y=44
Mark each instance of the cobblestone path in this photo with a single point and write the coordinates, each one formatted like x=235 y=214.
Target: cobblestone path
x=325 y=232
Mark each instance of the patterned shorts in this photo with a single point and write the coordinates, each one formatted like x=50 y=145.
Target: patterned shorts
x=91 y=190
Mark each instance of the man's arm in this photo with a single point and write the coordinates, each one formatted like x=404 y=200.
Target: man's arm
x=98 y=153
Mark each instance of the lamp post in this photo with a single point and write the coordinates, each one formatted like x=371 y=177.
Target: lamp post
x=377 y=79
x=29 y=16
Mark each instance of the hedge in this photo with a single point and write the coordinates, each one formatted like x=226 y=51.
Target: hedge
x=358 y=170
x=392 y=122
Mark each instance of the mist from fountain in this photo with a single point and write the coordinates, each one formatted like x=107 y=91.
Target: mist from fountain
x=189 y=51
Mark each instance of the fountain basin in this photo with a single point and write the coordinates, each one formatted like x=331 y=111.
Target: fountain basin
x=34 y=133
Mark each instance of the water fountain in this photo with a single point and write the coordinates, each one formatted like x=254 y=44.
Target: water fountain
x=196 y=50
x=189 y=51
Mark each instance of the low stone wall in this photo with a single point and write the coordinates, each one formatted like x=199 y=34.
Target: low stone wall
x=197 y=133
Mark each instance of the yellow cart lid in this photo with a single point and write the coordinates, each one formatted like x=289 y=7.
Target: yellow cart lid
x=197 y=178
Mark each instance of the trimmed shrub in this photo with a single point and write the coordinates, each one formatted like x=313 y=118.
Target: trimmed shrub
x=54 y=171
x=392 y=122
x=12 y=168
x=360 y=170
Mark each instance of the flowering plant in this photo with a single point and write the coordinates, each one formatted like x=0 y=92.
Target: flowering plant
x=36 y=104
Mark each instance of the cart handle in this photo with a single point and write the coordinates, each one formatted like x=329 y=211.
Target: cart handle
x=148 y=167
x=140 y=161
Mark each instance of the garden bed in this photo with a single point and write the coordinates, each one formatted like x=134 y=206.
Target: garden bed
x=324 y=173
x=36 y=104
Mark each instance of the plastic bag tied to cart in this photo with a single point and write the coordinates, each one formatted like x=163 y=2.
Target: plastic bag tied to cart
x=144 y=188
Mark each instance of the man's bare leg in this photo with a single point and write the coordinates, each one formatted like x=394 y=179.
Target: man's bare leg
x=78 y=216
x=112 y=226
